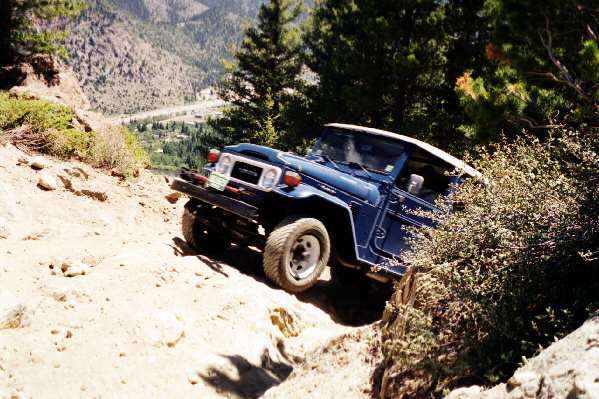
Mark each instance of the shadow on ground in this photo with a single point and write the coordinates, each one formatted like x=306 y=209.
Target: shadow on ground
x=252 y=381
x=349 y=305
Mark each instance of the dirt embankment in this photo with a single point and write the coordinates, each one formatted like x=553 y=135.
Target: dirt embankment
x=100 y=297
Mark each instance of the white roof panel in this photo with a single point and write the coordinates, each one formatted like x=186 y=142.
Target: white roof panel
x=434 y=151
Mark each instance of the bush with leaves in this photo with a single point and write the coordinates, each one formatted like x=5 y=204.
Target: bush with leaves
x=513 y=270
x=49 y=128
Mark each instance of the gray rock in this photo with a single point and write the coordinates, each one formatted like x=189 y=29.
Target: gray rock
x=569 y=368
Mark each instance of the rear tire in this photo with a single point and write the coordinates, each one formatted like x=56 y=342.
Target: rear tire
x=296 y=253
x=201 y=238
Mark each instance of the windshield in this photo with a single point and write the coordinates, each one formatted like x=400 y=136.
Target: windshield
x=374 y=153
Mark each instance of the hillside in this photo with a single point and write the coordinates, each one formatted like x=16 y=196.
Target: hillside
x=134 y=55
x=101 y=297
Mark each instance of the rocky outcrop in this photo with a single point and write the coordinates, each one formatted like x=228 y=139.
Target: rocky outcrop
x=48 y=78
x=567 y=369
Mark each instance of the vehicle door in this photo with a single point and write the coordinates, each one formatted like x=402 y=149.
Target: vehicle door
x=404 y=203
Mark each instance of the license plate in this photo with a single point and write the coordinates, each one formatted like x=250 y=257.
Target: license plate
x=218 y=181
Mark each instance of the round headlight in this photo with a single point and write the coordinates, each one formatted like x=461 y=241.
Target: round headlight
x=224 y=164
x=268 y=181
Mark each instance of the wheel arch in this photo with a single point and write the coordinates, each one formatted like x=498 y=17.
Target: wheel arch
x=332 y=212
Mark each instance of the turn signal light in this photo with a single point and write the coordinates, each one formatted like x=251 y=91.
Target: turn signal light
x=213 y=155
x=292 y=179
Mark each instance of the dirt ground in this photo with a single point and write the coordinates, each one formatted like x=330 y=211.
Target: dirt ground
x=143 y=315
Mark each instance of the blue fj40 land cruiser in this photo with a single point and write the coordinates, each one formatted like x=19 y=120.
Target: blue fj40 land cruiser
x=345 y=204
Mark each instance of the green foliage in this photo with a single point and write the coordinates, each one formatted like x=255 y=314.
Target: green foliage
x=175 y=144
x=391 y=64
x=512 y=271
x=48 y=125
x=19 y=36
x=542 y=70
x=260 y=84
x=48 y=128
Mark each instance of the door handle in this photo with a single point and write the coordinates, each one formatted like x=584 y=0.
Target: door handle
x=395 y=198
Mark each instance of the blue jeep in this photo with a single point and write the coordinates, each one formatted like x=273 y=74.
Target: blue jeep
x=345 y=204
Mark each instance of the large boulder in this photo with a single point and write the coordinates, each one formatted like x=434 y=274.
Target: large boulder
x=569 y=368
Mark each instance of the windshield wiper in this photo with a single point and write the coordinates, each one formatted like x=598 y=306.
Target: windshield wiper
x=328 y=159
x=360 y=166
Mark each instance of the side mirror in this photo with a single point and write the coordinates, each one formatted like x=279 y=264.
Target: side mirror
x=415 y=184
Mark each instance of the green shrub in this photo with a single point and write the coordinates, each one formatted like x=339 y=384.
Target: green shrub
x=48 y=128
x=118 y=148
x=504 y=277
x=42 y=125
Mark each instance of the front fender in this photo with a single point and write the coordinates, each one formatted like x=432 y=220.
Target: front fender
x=331 y=210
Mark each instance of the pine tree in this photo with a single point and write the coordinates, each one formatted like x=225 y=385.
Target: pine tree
x=19 y=37
x=261 y=82
x=392 y=63
x=542 y=69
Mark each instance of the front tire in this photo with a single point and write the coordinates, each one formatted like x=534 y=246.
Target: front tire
x=296 y=253
x=201 y=238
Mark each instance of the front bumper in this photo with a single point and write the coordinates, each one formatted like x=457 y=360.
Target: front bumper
x=217 y=199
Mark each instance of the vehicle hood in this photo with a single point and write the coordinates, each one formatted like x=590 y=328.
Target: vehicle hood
x=359 y=188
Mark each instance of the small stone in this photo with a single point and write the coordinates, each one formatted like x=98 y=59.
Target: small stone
x=39 y=163
x=59 y=295
x=23 y=160
x=11 y=311
x=47 y=181
x=165 y=329
x=193 y=378
x=173 y=197
x=74 y=269
x=285 y=322
x=4 y=232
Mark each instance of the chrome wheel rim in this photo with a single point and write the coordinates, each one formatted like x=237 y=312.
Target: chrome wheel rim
x=304 y=256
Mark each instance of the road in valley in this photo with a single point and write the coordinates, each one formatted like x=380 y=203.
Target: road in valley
x=200 y=110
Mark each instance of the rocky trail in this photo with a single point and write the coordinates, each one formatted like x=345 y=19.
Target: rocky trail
x=100 y=297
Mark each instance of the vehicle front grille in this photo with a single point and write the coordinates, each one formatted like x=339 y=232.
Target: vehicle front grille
x=246 y=172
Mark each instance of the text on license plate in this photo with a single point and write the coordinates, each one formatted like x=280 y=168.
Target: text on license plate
x=218 y=181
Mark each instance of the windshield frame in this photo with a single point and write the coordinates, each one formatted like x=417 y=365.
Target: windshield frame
x=316 y=151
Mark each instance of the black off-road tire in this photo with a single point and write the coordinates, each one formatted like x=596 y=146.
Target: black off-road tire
x=277 y=252
x=198 y=238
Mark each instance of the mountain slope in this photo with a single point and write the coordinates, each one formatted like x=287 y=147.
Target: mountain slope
x=134 y=55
